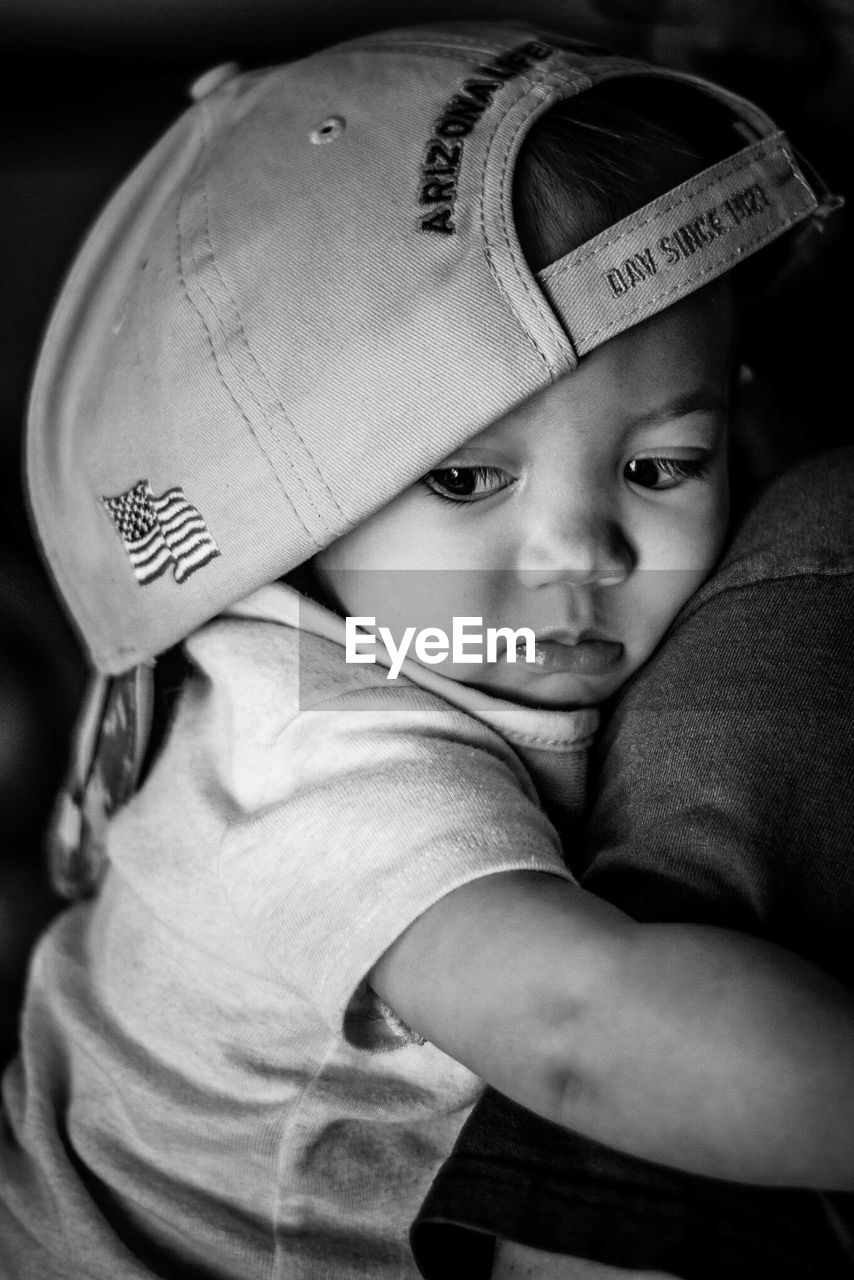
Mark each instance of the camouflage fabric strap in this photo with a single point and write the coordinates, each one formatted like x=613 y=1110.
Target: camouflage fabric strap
x=107 y=754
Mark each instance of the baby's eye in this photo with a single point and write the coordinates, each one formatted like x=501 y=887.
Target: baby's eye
x=466 y=484
x=664 y=473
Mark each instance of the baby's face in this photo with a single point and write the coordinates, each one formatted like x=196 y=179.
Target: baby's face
x=589 y=514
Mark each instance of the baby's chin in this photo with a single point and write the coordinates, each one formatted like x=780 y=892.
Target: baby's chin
x=554 y=691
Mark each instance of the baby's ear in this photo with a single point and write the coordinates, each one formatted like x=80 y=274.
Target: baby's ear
x=763 y=438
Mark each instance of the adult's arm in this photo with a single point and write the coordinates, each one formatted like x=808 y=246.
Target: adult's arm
x=701 y=1048
x=723 y=795
x=698 y=1047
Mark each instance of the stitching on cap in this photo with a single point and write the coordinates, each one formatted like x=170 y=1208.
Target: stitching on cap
x=744 y=163
x=537 y=295
x=321 y=518
x=461 y=53
x=242 y=333
x=193 y=181
x=224 y=381
x=692 y=280
x=272 y=390
x=528 y=283
x=606 y=64
x=577 y=83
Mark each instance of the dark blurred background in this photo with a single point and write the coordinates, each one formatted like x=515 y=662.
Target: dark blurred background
x=86 y=85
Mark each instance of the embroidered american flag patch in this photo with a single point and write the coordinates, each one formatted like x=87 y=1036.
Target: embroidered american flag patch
x=161 y=532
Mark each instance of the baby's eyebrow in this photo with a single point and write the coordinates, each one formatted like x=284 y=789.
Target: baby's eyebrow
x=681 y=406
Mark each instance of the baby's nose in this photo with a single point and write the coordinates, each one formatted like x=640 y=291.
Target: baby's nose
x=581 y=549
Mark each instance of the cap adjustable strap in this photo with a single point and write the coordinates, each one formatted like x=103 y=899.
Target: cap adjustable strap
x=675 y=244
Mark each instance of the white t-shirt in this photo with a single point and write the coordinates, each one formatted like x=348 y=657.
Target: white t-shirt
x=207 y=1087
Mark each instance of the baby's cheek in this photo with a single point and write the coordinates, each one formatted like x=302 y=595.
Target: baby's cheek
x=714 y=529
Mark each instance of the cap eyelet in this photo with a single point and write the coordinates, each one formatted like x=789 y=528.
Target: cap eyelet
x=328 y=131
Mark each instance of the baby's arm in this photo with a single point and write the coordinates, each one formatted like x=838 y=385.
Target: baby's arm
x=697 y=1047
x=400 y=839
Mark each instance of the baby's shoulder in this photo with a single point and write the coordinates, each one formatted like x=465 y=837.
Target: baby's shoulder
x=278 y=711
x=271 y=669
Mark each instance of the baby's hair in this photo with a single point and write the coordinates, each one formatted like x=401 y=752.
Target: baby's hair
x=601 y=155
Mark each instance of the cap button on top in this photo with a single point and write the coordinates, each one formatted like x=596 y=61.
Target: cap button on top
x=213 y=79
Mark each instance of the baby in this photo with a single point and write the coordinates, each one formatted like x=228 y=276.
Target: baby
x=421 y=346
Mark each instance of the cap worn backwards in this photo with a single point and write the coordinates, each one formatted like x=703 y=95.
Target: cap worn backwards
x=316 y=271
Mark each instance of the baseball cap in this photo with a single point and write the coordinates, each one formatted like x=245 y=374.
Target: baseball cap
x=310 y=291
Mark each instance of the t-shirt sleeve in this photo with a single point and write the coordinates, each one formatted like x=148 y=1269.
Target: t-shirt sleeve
x=375 y=806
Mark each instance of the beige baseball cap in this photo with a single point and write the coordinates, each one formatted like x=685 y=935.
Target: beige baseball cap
x=311 y=291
